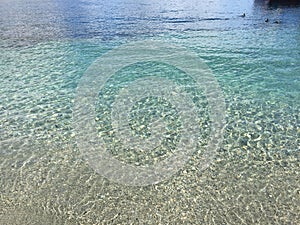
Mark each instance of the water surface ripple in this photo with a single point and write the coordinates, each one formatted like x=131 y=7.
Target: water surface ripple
x=47 y=45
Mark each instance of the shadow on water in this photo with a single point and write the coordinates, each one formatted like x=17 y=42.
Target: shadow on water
x=271 y=4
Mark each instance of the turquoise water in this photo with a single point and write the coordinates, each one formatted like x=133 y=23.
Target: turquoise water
x=47 y=46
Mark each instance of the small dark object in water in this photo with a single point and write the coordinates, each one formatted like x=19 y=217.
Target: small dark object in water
x=267 y=20
x=277 y=22
x=243 y=15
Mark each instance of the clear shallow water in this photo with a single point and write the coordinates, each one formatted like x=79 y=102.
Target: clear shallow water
x=46 y=46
